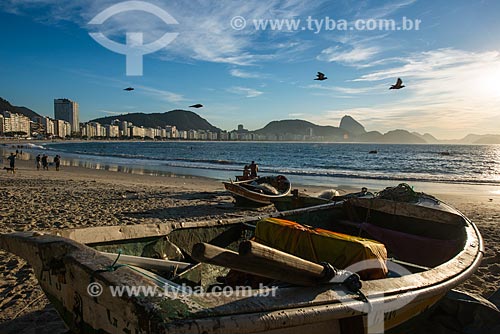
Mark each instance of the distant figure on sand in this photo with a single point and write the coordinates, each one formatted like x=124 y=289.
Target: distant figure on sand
x=254 y=168
x=45 y=162
x=12 y=161
x=57 y=161
x=38 y=162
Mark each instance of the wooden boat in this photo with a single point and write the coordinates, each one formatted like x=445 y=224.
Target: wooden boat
x=259 y=191
x=297 y=200
x=437 y=246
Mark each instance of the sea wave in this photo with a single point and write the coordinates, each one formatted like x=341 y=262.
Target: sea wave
x=467 y=165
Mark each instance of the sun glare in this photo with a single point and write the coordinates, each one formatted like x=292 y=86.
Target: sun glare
x=487 y=84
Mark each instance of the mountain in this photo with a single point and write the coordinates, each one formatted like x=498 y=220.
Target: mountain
x=470 y=139
x=352 y=126
x=301 y=128
x=402 y=137
x=393 y=137
x=430 y=139
x=6 y=106
x=370 y=137
x=182 y=119
x=488 y=139
x=349 y=126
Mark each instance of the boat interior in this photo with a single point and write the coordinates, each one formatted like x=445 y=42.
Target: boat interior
x=268 y=185
x=418 y=237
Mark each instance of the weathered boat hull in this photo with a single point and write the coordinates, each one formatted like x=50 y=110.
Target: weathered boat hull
x=65 y=268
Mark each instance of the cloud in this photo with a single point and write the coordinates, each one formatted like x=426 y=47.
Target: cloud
x=248 y=92
x=204 y=28
x=245 y=74
x=345 y=90
x=348 y=55
x=109 y=112
x=382 y=9
x=447 y=90
x=164 y=95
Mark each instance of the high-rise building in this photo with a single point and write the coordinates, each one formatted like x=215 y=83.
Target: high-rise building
x=67 y=110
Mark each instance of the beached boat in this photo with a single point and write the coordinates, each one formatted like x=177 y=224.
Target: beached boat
x=259 y=191
x=432 y=248
x=297 y=200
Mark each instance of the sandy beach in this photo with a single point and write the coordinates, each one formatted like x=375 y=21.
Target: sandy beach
x=80 y=197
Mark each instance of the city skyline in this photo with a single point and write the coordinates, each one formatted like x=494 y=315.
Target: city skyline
x=450 y=65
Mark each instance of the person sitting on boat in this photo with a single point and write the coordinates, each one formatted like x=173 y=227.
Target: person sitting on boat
x=254 y=168
x=246 y=173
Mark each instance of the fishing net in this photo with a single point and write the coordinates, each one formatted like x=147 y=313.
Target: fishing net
x=401 y=193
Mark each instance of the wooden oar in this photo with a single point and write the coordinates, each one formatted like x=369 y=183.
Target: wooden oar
x=146 y=262
x=263 y=261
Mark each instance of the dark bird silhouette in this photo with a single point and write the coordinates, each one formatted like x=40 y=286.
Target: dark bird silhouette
x=196 y=106
x=129 y=89
x=320 y=76
x=398 y=85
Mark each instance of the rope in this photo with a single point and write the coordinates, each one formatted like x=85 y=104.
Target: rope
x=111 y=268
x=401 y=193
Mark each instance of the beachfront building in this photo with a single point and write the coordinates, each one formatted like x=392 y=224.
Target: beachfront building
x=14 y=124
x=124 y=125
x=112 y=131
x=91 y=130
x=171 y=132
x=192 y=135
x=137 y=131
x=48 y=125
x=62 y=129
x=149 y=133
x=223 y=135
x=67 y=110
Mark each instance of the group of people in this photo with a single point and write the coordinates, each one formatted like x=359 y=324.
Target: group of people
x=43 y=161
x=250 y=171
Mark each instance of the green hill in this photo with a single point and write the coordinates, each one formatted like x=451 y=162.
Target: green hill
x=302 y=128
x=182 y=119
x=6 y=106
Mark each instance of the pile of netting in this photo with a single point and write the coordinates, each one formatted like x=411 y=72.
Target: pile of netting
x=402 y=193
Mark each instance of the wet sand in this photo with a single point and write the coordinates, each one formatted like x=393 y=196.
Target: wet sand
x=79 y=197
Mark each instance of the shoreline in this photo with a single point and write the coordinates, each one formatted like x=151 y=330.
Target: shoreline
x=342 y=184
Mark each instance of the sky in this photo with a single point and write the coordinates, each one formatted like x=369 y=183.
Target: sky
x=246 y=73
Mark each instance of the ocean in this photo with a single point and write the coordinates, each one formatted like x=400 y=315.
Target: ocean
x=305 y=163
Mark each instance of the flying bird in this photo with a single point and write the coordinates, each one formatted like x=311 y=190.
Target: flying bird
x=129 y=89
x=196 y=106
x=398 y=85
x=320 y=76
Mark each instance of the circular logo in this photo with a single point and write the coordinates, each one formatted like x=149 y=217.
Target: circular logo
x=238 y=23
x=94 y=289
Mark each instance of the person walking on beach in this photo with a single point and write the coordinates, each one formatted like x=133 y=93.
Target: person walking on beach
x=254 y=168
x=12 y=161
x=38 y=162
x=57 y=161
x=45 y=162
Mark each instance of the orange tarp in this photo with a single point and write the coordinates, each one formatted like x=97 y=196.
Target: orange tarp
x=319 y=245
